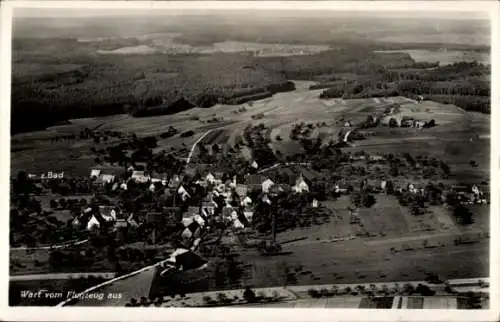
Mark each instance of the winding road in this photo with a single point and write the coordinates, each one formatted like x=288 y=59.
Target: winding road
x=190 y=155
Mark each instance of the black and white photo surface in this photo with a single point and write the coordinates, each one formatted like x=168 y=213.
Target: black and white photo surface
x=273 y=157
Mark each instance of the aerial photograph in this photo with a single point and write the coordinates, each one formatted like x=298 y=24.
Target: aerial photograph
x=265 y=158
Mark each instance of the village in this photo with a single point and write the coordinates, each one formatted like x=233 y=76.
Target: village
x=142 y=208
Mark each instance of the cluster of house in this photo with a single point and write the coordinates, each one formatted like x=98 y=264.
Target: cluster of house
x=93 y=219
x=237 y=207
x=107 y=177
x=470 y=195
x=241 y=214
x=466 y=195
x=404 y=121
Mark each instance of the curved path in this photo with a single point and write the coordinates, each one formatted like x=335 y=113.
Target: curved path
x=190 y=155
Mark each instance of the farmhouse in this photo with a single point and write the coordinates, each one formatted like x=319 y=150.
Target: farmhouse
x=235 y=220
x=266 y=185
x=376 y=158
x=184 y=260
x=106 y=178
x=120 y=223
x=93 y=223
x=419 y=124
x=94 y=173
x=139 y=176
x=407 y=122
x=183 y=193
x=209 y=178
x=341 y=188
x=208 y=208
x=109 y=212
x=246 y=201
x=300 y=185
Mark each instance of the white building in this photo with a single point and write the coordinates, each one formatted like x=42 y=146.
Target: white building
x=210 y=178
x=300 y=185
x=93 y=223
x=139 y=176
x=266 y=185
x=246 y=201
x=94 y=173
x=183 y=193
x=107 y=178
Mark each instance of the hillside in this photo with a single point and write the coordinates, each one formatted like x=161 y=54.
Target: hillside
x=54 y=80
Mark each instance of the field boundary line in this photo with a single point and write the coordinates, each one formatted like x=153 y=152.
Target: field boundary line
x=53 y=276
x=63 y=245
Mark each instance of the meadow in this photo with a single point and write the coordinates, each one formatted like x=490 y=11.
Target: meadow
x=445 y=57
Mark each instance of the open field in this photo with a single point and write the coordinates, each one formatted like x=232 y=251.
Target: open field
x=354 y=261
x=445 y=57
x=37 y=262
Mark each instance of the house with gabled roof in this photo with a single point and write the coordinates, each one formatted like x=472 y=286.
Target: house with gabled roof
x=266 y=185
x=300 y=185
x=106 y=178
x=183 y=193
x=246 y=202
x=140 y=176
x=94 y=173
x=209 y=178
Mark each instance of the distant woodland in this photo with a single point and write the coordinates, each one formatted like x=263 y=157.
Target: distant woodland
x=77 y=82
x=463 y=84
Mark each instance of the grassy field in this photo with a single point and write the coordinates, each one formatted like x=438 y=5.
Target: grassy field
x=400 y=247
x=354 y=261
x=446 y=57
